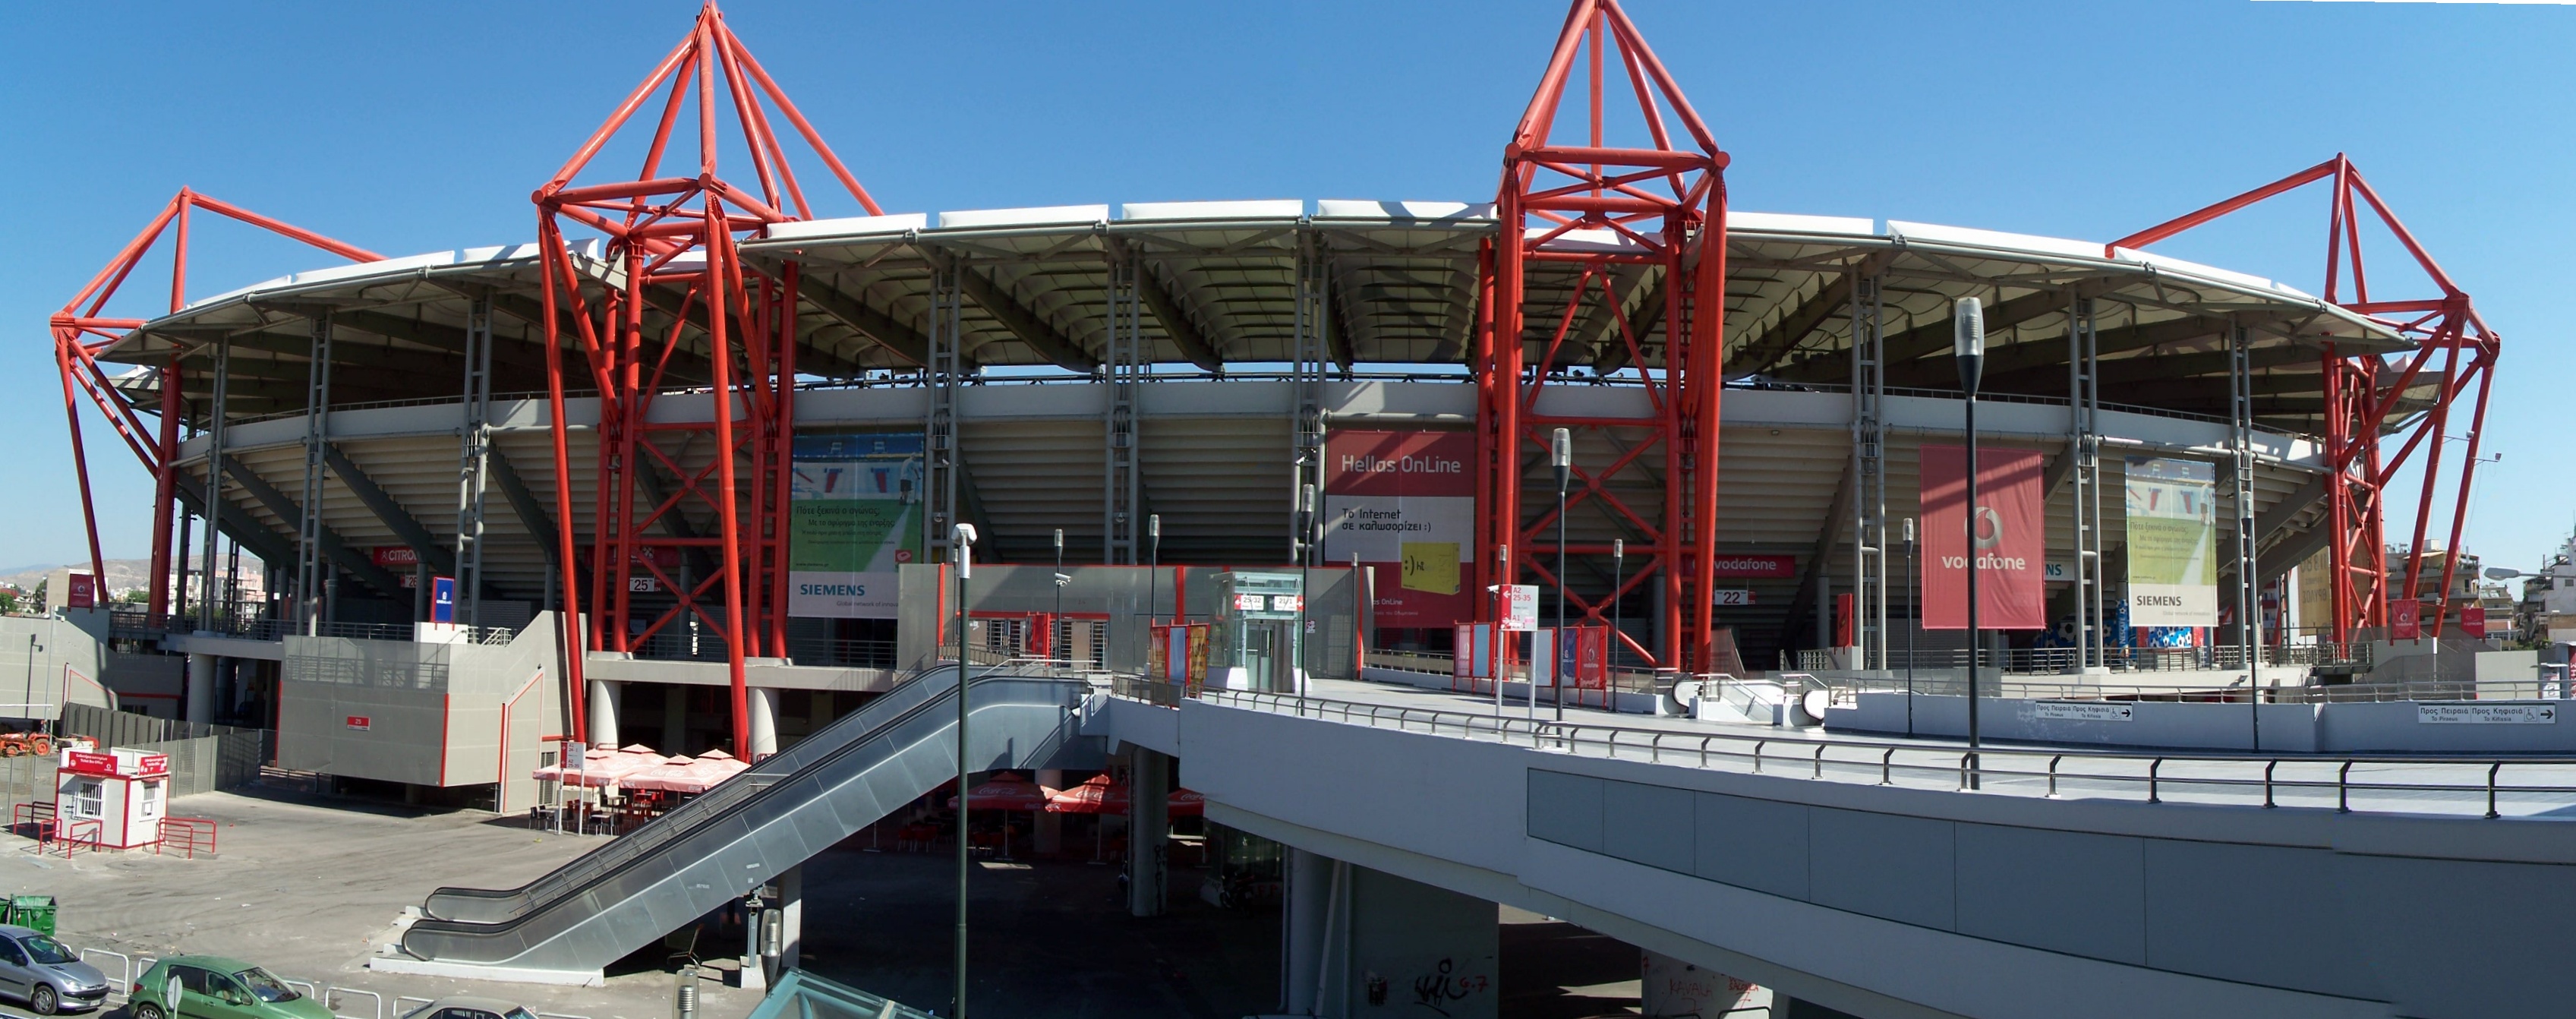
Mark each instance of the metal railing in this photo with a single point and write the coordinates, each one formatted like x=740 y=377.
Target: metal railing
x=2410 y=784
x=1435 y=664
x=2016 y=687
x=2060 y=660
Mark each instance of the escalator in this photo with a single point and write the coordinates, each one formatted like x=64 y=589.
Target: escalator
x=711 y=850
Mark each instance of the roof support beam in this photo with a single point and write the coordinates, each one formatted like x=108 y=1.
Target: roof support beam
x=895 y=336
x=244 y=530
x=1166 y=308
x=1775 y=343
x=523 y=501
x=1927 y=339
x=389 y=511
x=1610 y=349
x=1802 y=604
x=339 y=552
x=1023 y=323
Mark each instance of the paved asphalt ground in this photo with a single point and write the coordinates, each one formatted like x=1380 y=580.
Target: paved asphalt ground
x=304 y=885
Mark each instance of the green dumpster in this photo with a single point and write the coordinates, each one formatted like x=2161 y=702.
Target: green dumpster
x=35 y=912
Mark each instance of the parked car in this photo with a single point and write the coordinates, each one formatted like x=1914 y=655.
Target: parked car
x=214 y=987
x=466 y=1006
x=49 y=977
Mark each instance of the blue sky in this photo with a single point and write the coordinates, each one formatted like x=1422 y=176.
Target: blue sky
x=424 y=127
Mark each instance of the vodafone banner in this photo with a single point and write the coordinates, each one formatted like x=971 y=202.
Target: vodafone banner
x=2010 y=539
x=1404 y=503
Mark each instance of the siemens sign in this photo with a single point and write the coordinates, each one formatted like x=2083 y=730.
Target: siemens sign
x=832 y=590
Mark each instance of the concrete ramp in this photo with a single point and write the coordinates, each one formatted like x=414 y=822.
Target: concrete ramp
x=566 y=926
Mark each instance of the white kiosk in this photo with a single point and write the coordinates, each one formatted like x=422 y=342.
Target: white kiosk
x=113 y=799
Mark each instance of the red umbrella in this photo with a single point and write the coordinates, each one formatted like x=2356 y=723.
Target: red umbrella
x=1099 y=795
x=1005 y=791
x=1186 y=803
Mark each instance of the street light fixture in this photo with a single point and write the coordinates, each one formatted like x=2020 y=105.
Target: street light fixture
x=1560 y=454
x=1055 y=623
x=962 y=538
x=1968 y=345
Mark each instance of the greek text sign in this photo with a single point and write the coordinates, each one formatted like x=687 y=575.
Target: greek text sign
x=2486 y=714
x=2084 y=711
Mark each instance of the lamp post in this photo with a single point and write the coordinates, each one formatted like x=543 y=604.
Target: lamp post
x=1968 y=345
x=1055 y=623
x=1912 y=624
x=962 y=538
x=1560 y=454
x=1153 y=571
x=1305 y=559
x=1618 y=586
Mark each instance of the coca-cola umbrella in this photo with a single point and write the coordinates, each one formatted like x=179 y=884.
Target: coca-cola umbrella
x=1098 y=795
x=1188 y=803
x=1006 y=791
x=688 y=775
x=603 y=767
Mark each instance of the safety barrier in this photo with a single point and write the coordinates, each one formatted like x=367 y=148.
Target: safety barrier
x=2462 y=784
x=125 y=972
x=188 y=835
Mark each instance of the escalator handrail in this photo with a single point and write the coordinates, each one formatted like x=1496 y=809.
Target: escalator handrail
x=479 y=930
x=723 y=801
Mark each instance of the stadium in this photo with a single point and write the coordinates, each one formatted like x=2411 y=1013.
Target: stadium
x=1752 y=399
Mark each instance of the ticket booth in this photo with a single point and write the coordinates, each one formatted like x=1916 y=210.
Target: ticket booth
x=112 y=799
x=1256 y=631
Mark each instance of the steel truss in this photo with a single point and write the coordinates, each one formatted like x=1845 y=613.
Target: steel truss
x=670 y=290
x=2372 y=399
x=1661 y=212
x=82 y=329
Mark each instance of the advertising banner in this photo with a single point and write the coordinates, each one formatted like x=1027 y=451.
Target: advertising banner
x=1406 y=502
x=2173 y=542
x=2009 y=538
x=854 y=515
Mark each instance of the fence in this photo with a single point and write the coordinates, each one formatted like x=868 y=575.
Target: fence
x=203 y=758
x=2477 y=786
x=2045 y=660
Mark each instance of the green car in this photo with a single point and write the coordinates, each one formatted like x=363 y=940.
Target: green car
x=213 y=987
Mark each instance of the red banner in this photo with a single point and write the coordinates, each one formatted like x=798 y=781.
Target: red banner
x=2011 y=539
x=2405 y=620
x=2473 y=620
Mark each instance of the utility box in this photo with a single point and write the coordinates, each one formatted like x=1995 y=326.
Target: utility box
x=114 y=799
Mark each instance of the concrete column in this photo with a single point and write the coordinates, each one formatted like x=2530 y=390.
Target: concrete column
x=1672 y=988
x=763 y=704
x=605 y=699
x=1050 y=826
x=1357 y=942
x=1149 y=793
x=201 y=688
x=791 y=921
x=1313 y=924
x=675 y=718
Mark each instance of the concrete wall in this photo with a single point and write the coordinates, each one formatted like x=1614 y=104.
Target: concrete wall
x=45 y=660
x=433 y=712
x=2342 y=728
x=1891 y=902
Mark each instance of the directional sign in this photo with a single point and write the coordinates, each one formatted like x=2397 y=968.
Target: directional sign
x=2486 y=714
x=2084 y=711
x=1520 y=607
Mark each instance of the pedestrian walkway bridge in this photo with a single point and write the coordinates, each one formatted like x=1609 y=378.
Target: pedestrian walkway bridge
x=1893 y=877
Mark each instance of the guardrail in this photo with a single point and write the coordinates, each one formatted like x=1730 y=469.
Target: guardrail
x=2044 y=689
x=2415 y=784
x=195 y=833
